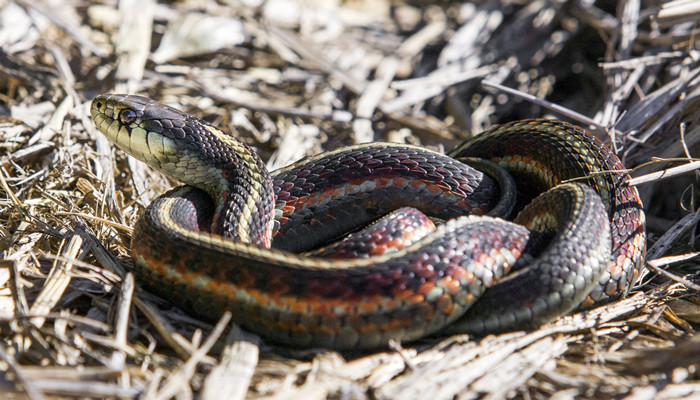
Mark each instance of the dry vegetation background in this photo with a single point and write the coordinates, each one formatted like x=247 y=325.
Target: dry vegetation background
x=299 y=77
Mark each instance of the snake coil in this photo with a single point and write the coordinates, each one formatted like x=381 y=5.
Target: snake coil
x=581 y=241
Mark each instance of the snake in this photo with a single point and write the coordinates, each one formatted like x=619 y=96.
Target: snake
x=237 y=237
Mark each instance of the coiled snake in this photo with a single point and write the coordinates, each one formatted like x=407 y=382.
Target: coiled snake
x=581 y=241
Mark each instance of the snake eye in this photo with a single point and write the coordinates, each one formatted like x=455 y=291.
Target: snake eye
x=127 y=116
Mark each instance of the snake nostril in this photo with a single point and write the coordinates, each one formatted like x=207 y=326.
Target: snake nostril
x=98 y=105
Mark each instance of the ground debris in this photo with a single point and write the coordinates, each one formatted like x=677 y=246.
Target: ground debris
x=294 y=78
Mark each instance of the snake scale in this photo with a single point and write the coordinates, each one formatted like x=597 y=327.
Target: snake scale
x=237 y=237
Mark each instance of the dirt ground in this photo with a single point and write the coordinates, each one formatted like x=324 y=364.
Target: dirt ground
x=295 y=78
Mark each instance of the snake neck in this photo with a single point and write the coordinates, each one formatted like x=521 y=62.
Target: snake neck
x=244 y=200
x=237 y=180
x=192 y=151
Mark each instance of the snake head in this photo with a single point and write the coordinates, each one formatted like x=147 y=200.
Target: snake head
x=189 y=150
x=182 y=146
x=147 y=130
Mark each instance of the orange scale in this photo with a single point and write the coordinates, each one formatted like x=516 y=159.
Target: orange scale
x=286 y=210
x=453 y=286
x=462 y=203
x=416 y=298
x=278 y=299
x=611 y=290
x=402 y=293
x=325 y=195
x=469 y=278
x=516 y=253
x=516 y=157
x=326 y=306
x=179 y=264
x=470 y=299
x=337 y=192
x=393 y=324
x=631 y=251
x=425 y=288
x=392 y=303
x=417 y=184
x=297 y=305
x=485 y=259
x=325 y=329
x=435 y=189
x=259 y=297
x=300 y=204
x=191 y=277
x=311 y=200
x=530 y=160
x=458 y=273
x=615 y=268
x=317 y=308
x=367 y=327
x=220 y=286
x=156 y=265
x=379 y=250
x=367 y=306
x=400 y=181
x=382 y=182
x=398 y=242
x=446 y=305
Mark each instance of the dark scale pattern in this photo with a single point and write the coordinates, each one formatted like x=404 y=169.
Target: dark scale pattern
x=561 y=276
x=424 y=289
x=545 y=141
x=403 y=294
x=345 y=190
x=397 y=230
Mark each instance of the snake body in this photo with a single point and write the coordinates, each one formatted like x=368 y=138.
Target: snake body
x=210 y=256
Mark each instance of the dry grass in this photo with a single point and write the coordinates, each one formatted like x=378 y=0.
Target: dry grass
x=295 y=79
